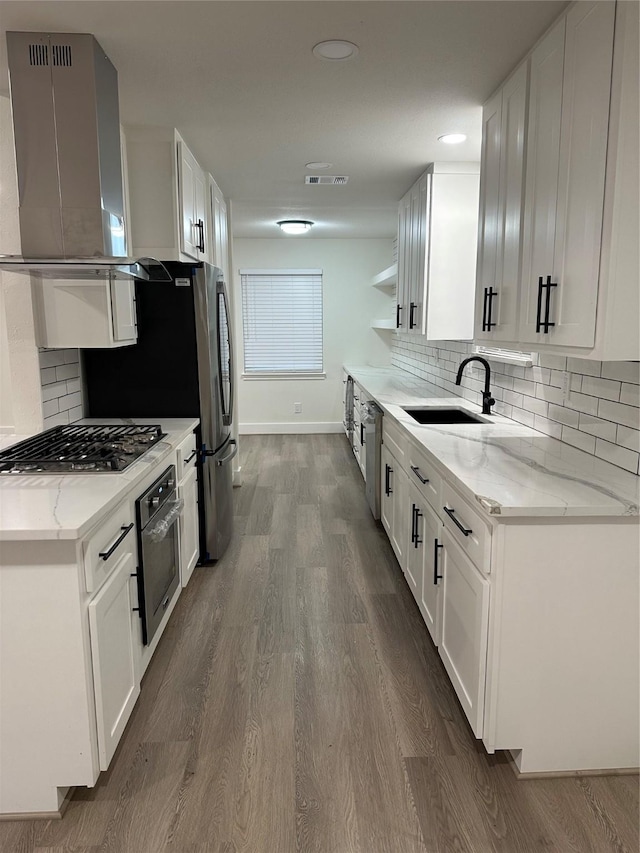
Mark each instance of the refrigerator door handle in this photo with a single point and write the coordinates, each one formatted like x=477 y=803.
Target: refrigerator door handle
x=230 y=456
x=227 y=416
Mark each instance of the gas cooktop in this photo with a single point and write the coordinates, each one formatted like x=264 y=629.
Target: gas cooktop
x=80 y=448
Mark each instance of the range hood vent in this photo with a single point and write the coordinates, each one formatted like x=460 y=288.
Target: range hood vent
x=64 y=99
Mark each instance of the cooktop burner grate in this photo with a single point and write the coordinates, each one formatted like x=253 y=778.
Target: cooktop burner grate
x=80 y=448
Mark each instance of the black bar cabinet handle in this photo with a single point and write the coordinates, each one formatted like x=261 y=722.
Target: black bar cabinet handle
x=416 y=471
x=200 y=227
x=436 y=576
x=484 y=310
x=417 y=541
x=490 y=294
x=547 y=305
x=398 y=310
x=413 y=523
x=450 y=513
x=388 y=470
x=412 y=308
x=539 y=311
x=186 y=461
x=106 y=554
x=361 y=434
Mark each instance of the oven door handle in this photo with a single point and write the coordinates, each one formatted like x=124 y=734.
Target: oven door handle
x=160 y=525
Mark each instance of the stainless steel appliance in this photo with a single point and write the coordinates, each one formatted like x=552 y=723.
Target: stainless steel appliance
x=182 y=366
x=157 y=512
x=80 y=448
x=348 y=409
x=64 y=100
x=372 y=426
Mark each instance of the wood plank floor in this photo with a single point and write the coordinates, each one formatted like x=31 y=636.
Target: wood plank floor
x=296 y=703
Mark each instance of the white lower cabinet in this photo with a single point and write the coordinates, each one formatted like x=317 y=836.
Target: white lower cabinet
x=113 y=656
x=465 y=623
x=511 y=604
x=189 y=528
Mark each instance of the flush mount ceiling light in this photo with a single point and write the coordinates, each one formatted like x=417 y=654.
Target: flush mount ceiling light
x=295 y=226
x=335 y=50
x=452 y=138
x=318 y=166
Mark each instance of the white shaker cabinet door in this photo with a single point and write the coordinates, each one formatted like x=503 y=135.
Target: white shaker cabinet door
x=430 y=601
x=187 y=170
x=189 y=526
x=401 y=516
x=465 y=623
x=566 y=161
x=388 y=468
x=112 y=651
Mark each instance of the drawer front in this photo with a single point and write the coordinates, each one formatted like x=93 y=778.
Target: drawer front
x=186 y=456
x=104 y=548
x=395 y=440
x=422 y=472
x=467 y=528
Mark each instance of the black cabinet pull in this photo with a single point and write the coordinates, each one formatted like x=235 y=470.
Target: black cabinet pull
x=106 y=554
x=417 y=541
x=412 y=308
x=436 y=576
x=547 y=306
x=200 y=226
x=490 y=294
x=398 y=310
x=450 y=513
x=416 y=471
x=387 y=485
x=186 y=461
x=361 y=434
x=484 y=309
x=413 y=523
x=544 y=325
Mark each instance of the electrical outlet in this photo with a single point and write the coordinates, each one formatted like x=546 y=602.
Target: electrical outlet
x=565 y=387
x=297 y=408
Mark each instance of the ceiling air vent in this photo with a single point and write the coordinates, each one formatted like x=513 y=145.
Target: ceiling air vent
x=330 y=180
x=38 y=54
x=61 y=54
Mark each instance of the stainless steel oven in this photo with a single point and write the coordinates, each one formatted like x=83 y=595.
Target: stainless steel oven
x=157 y=512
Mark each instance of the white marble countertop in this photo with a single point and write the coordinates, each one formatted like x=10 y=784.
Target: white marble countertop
x=510 y=470
x=67 y=506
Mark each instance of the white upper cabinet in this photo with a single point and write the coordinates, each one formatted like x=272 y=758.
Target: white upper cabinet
x=566 y=161
x=218 y=222
x=558 y=253
x=168 y=197
x=437 y=232
x=501 y=199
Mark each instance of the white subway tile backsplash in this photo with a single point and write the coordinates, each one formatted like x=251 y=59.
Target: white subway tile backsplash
x=607 y=388
x=630 y=394
x=584 y=366
x=620 y=413
x=626 y=371
x=600 y=416
x=598 y=427
x=61 y=387
x=620 y=456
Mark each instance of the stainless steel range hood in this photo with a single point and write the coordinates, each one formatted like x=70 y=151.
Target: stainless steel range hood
x=64 y=99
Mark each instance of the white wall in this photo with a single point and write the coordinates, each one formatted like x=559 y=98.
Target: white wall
x=350 y=303
x=20 y=396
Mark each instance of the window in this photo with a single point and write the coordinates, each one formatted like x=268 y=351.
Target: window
x=282 y=323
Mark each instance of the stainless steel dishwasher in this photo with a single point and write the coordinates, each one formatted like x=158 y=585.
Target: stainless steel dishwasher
x=372 y=424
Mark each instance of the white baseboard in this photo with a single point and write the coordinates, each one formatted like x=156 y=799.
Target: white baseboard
x=237 y=476
x=301 y=428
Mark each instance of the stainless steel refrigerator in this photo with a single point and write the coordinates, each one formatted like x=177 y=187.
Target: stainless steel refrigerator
x=182 y=366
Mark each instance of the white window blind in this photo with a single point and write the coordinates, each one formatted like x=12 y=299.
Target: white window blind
x=282 y=321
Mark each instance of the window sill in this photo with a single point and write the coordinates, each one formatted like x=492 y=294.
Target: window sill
x=269 y=376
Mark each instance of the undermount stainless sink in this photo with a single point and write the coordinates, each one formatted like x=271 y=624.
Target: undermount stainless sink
x=433 y=415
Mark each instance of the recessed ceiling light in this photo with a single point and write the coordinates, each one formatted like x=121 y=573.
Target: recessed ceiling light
x=317 y=166
x=335 y=50
x=295 y=226
x=452 y=138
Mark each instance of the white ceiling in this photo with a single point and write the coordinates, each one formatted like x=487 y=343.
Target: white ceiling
x=239 y=80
